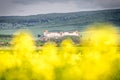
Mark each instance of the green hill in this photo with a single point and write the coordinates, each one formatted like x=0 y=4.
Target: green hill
x=58 y=21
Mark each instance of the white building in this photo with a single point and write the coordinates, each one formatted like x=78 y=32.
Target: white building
x=48 y=34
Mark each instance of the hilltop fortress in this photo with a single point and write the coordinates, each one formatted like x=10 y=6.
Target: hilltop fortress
x=48 y=34
x=56 y=35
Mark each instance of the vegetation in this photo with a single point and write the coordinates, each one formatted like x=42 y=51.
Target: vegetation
x=77 y=20
x=97 y=59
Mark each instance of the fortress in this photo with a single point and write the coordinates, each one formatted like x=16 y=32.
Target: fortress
x=48 y=34
x=55 y=35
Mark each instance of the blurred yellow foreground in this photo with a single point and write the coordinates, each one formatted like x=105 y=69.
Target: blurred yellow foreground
x=97 y=59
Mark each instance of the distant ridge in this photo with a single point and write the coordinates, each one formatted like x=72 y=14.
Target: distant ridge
x=61 y=19
x=63 y=13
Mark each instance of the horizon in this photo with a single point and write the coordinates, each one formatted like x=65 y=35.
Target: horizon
x=62 y=12
x=34 y=7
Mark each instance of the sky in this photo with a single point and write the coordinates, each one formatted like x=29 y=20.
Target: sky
x=33 y=7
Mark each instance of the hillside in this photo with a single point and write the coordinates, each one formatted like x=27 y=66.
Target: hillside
x=60 y=19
